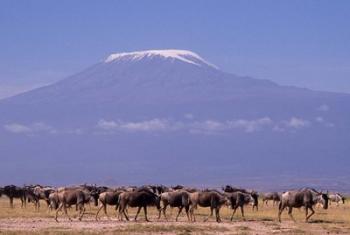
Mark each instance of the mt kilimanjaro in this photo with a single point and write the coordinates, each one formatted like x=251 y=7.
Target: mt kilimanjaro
x=169 y=116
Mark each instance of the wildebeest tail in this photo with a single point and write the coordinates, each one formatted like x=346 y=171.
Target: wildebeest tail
x=186 y=199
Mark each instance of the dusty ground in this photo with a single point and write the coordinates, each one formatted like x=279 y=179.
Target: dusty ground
x=336 y=220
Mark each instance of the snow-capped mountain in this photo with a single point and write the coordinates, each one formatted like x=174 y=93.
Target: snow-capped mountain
x=140 y=113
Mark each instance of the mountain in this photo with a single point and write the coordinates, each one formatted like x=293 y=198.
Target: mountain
x=169 y=116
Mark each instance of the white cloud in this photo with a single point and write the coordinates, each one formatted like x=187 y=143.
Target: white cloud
x=251 y=125
x=29 y=129
x=149 y=125
x=295 y=122
x=208 y=125
x=319 y=119
x=323 y=108
x=17 y=128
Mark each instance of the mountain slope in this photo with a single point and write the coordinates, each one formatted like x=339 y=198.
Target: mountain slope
x=141 y=113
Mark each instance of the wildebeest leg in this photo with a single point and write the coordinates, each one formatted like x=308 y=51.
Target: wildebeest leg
x=233 y=213
x=98 y=211
x=211 y=214
x=105 y=211
x=164 y=213
x=188 y=216
x=81 y=211
x=242 y=212
x=137 y=213
x=312 y=212
x=281 y=207
x=193 y=217
x=66 y=213
x=306 y=212
x=117 y=209
x=180 y=209
x=290 y=210
x=36 y=205
x=125 y=214
x=11 y=202
x=145 y=210
x=24 y=203
x=57 y=210
x=217 y=214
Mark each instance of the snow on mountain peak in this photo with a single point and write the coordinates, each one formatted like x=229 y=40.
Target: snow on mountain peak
x=183 y=55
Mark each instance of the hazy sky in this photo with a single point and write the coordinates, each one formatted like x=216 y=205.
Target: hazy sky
x=302 y=43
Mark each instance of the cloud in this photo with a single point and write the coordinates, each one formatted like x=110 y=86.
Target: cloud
x=149 y=125
x=251 y=125
x=29 y=129
x=297 y=123
x=319 y=119
x=208 y=125
x=322 y=121
x=205 y=126
x=17 y=128
x=323 y=108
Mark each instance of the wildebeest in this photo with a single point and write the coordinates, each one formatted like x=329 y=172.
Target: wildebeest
x=108 y=198
x=336 y=197
x=302 y=198
x=179 y=199
x=12 y=191
x=70 y=196
x=42 y=193
x=139 y=198
x=239 y=199
x=254 y=194
x=208 y=198
x=31 y=196
x=275 y=197
x=157 y=189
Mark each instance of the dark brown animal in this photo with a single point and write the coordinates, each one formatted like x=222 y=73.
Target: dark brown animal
x=140 y=199
x=275 y=197
x=12 y=191
x=302 y=198
x=68 y=197
x=212 y=199
x=238 y=199
x=108 y=198
x=254 y=194
x=179 y=199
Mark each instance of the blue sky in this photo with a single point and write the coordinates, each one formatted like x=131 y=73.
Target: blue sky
x=302 y=43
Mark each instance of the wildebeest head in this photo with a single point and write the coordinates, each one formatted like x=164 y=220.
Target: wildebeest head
x=255 y=197
x=157 y=200
x=342 y=198
x=248 y=198
x=177 y=187
x=323 y=199
x=95 y=195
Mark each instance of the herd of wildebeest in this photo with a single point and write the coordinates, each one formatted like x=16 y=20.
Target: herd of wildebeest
x=162 y=197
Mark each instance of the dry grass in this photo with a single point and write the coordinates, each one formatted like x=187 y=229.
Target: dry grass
x=335 y=220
